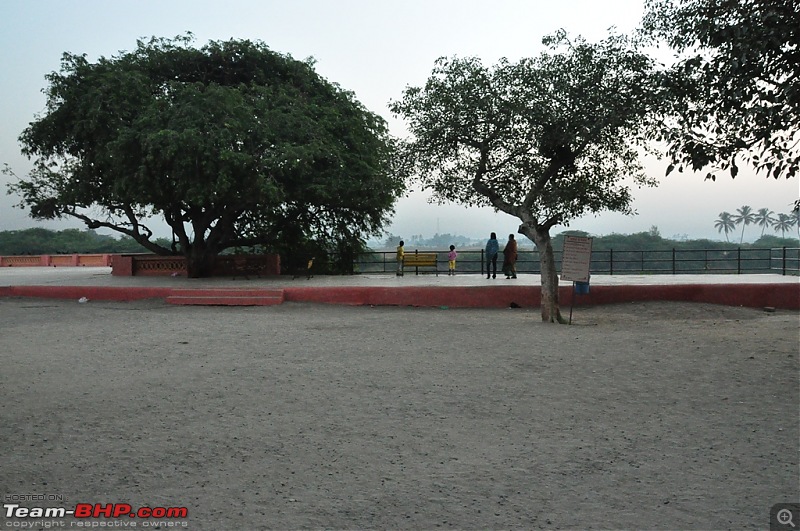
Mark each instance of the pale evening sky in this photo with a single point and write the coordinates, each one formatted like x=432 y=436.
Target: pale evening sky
x=374 y=48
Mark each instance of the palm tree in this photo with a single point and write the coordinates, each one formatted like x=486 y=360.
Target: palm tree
x=745 y=217
x=783 y=223
x=725 y=223
x=764 y=218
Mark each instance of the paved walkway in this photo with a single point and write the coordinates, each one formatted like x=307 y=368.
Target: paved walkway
x=101 y=276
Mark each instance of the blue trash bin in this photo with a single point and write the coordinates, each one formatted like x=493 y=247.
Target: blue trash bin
x=582 y=288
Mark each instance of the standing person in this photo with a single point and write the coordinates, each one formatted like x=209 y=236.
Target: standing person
x=492 y=249
x=451 y=260
x=401 y=253
x=510 y=258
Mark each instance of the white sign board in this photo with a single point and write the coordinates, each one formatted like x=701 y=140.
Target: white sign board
x=577 y=258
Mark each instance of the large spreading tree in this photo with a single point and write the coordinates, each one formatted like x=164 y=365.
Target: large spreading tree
x=545 y=139
x=735 y=85
x=231 y=144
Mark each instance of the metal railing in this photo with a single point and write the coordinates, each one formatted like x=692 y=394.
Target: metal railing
x=783 y=261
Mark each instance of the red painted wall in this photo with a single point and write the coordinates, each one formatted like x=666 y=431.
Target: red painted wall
x=786 y=296
x=783 y=296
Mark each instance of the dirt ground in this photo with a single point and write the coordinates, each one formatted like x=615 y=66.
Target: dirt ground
x=658 y=415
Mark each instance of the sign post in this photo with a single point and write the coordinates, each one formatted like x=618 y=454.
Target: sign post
x=575 y=263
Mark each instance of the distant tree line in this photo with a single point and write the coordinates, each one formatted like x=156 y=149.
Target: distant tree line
x=640 y=241
x=653 y=241
x=69 y=241
x=650 y=240
x=763 y=217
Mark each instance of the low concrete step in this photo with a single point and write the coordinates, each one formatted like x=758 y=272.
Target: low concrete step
x=226 y=297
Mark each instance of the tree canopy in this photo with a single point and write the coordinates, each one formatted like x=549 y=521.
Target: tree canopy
x=232 y=144
x=736 y=86
x=545 y=139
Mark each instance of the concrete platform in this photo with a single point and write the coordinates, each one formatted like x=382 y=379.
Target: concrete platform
x=464 y=291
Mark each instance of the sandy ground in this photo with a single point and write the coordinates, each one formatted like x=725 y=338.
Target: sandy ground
x=308 y=416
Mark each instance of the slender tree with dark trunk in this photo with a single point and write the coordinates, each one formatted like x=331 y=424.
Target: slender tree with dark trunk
x=545 y=139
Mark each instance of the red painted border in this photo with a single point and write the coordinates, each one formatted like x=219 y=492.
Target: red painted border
x=104 y=293
x=457 y=297
x=784 y=296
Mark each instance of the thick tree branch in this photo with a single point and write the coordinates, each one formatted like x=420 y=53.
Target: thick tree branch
x=538 y=186
x=551 y=222
x=140 y=238
x=485 y=190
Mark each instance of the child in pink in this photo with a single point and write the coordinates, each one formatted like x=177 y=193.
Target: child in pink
x=451 y=260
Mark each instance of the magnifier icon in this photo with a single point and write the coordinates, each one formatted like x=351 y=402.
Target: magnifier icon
x=785 y=517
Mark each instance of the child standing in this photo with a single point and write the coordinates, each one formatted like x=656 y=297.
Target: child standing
x=451 y=260
x=401 y=253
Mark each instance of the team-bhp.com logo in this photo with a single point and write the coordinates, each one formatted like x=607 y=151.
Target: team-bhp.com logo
x=94 y=510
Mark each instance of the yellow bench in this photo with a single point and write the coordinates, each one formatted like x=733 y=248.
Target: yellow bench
x=418 y=260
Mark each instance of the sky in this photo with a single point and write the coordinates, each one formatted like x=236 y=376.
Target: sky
x=374 y=48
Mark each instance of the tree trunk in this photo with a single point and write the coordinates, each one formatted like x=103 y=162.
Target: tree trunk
x=199 y=261
x=550 y=309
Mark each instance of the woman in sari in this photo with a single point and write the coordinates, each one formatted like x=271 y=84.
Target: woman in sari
x=510 y=258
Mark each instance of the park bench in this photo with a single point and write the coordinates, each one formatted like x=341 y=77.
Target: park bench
x=418 y=260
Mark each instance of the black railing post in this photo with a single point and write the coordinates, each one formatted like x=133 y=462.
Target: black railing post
x=783 y=266
x=673 y=260
x=611 y=261
x=487 y=265
x=738 y=260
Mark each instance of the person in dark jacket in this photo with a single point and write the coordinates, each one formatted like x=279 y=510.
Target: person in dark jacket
x=492 y=250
